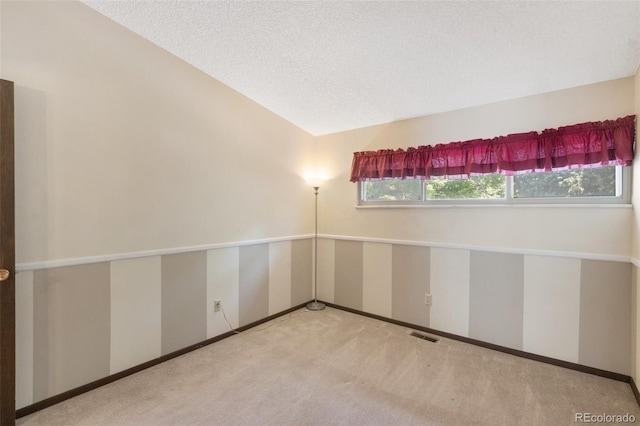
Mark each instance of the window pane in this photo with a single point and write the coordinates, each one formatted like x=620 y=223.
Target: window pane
x=567 y=183
x=392 y=190
x=476 y=187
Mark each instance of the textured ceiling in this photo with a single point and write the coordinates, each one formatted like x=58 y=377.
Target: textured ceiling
x=329 y=66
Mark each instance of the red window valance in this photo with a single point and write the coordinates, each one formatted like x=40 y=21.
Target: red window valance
x=592 y=144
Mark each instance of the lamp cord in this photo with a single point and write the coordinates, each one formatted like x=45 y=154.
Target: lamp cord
x=225 y=318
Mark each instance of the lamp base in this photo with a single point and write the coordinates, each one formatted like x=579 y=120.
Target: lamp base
x=315 y=306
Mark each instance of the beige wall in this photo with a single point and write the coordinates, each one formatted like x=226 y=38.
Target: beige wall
x=635 y=254
x=121 y=147
x=636 y=242
x=592 y=230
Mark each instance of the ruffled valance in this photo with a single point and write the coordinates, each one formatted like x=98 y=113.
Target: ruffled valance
x=592 y=144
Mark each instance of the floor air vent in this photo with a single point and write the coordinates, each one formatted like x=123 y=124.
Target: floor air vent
x=423 y=336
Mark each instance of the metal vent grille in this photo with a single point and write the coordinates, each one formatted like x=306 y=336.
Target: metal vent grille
x=423 y=336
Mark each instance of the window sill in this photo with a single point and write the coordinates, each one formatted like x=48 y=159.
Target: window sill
x=514 y=205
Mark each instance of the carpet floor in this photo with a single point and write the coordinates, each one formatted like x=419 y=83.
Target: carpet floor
x=332 y=367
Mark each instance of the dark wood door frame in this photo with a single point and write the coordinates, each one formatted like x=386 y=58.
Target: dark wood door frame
x=7 y=258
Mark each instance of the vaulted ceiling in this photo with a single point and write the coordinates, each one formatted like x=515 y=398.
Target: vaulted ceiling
x=329 y=66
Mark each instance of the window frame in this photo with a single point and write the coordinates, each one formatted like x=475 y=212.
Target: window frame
x=623 y=196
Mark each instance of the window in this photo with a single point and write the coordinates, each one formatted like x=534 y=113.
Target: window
x=608 y=184
x=392 y=190
x=486 y=187
x=579 y=163
x=600 y=182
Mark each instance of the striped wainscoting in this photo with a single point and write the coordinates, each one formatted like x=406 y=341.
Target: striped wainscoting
x=80 y=323
x=571 y=309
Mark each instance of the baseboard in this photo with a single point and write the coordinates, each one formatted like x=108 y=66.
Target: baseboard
x=24 y=411
x=634 y=388
x=516 y=352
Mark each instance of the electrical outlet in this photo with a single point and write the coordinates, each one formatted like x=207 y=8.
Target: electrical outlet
x=427 y=299
x=217 y=305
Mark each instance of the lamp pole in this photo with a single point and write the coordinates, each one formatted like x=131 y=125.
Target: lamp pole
x=315 y=305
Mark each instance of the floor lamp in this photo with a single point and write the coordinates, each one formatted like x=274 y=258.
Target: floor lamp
x=315 y=305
